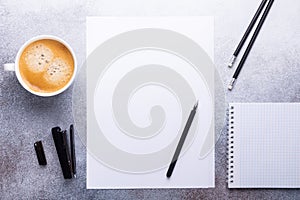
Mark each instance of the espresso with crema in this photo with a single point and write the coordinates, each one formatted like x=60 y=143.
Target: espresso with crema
x=46 y=65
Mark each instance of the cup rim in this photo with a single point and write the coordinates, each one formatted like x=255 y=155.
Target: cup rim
x=17 y=71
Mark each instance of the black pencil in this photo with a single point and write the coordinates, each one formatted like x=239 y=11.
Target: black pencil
x=248 y=49
x=181 y=141
x=246 y=34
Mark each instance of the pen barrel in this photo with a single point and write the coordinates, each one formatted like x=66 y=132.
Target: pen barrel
x=184 y=134
x=190 y=120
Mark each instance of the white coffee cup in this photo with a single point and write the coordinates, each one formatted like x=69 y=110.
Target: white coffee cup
x=15 y=66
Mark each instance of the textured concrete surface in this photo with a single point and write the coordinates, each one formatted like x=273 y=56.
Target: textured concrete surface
x=271 y=74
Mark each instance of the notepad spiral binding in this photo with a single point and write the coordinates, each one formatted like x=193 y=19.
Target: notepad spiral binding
x=230 y=144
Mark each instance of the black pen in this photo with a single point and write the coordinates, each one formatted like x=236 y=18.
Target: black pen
x=72 y=144
x=181 y=141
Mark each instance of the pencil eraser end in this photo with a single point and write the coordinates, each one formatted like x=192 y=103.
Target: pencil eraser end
x=231 y=62
x=230 y=86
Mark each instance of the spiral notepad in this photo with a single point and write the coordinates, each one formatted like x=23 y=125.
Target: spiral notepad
x=263 y=145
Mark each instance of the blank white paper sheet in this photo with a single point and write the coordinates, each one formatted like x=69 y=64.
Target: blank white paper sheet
x=144 y=75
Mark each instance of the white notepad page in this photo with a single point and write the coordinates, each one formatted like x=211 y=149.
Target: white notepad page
x=264 y=149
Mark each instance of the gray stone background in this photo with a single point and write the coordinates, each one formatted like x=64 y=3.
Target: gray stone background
x=271 y=74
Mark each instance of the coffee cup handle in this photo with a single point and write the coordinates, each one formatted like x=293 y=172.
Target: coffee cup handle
x=9 y=67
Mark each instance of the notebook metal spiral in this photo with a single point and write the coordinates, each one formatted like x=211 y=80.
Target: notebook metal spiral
x=230 y=144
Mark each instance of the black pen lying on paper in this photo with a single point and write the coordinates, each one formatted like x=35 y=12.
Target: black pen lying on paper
x=181 y=141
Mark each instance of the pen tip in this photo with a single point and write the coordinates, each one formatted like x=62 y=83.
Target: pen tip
x=196 y=105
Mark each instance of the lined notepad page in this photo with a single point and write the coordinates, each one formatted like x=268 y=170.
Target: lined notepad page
x=266 y=145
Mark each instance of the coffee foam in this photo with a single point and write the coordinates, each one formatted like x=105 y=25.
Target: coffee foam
x=58 y=72
x=37 y=57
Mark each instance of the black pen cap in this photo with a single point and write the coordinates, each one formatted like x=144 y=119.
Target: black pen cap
x=38 y=146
